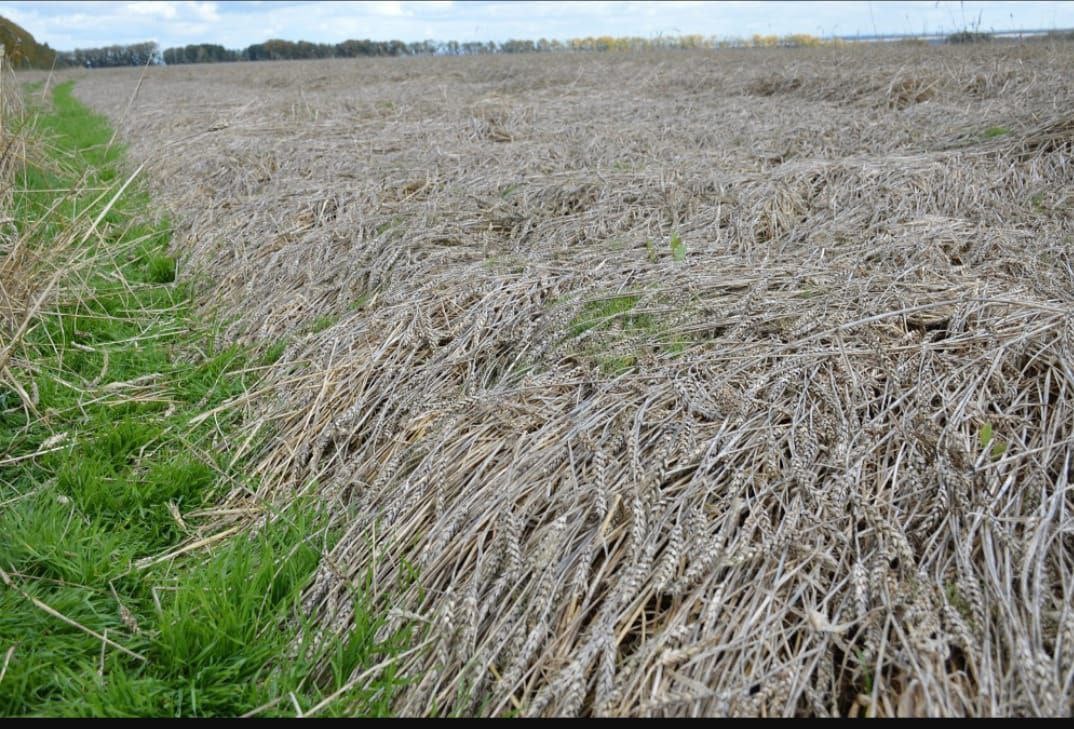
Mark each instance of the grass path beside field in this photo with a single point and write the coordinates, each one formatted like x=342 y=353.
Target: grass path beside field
x=108 y=468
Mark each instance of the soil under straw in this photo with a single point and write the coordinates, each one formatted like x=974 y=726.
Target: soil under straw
x=811 y=458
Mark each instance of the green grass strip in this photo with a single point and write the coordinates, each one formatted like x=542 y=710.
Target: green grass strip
x=120 y=365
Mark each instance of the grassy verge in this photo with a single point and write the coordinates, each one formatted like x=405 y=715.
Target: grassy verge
x=105 y=466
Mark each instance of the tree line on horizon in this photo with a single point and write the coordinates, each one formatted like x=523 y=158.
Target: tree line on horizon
x=139 y=54
x=282 y=50
x=279 y=50
x=134 y=54
x=23 y=51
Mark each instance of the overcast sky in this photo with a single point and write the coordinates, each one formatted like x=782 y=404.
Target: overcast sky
x=68 y=25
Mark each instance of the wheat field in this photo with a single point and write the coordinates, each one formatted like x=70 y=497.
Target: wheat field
x=688 y=383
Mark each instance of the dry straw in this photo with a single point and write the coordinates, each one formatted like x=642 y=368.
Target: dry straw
x=672 y=384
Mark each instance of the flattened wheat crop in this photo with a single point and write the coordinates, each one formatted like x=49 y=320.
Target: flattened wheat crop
x=734 y=382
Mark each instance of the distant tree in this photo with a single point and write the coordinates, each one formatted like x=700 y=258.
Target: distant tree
x=422 y=48
x=136 y=54
x=350 y=49
x=200 y=53
x=517 y=46
x=22 y=50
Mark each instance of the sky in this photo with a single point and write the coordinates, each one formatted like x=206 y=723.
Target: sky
x=81 y=24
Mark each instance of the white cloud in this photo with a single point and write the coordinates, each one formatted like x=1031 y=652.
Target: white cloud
x=164 y=10
x=389 y=8
x=206 y=11
x=203 y=11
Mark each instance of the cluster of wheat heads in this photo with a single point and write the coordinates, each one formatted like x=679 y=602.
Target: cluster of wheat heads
x=672 y=385
x=817 y=481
